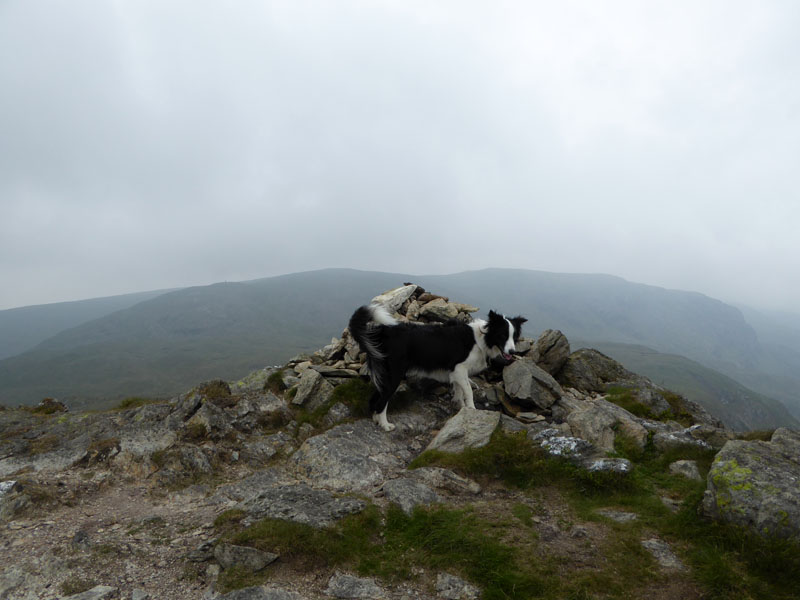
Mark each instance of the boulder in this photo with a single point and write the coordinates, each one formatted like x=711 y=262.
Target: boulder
x=438 y=310
x=451 y=587
x=527 y=383
x=342 y=585
x=249 y=559
x=392 y=300
x=687 y=468
x=599 y=421
x=350 y=457
x=313 y=390
x=757 y=485
x=259 y=592
x=408 y=493
x=469 y=428
x=300 y=503
x=552 y=349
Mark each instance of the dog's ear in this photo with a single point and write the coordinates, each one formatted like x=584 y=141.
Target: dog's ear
x=493 y=316
x=518 y=321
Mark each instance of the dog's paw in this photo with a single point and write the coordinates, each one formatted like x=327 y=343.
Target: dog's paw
x=388 y=427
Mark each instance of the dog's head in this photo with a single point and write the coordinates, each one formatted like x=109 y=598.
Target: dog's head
x=501 y=335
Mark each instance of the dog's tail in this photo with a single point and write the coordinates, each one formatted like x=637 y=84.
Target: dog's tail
x=368 y=337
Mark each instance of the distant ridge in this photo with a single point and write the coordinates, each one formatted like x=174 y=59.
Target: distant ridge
x=168 y=341
x=23 y=328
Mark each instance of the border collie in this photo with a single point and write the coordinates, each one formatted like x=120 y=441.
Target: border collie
x=449 y=352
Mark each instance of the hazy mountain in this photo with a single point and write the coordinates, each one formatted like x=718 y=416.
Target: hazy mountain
x=166 y=343
x=23 y=328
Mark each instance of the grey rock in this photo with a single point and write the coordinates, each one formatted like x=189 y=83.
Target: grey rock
x=675 y=439
x=260 y=592
x=327 y=371
x=552 y=348
x=350 y=457
x=621 y=466
x=617 y=515
x=312 y=391
x=757 y=485
x=510 y=425
x=250 y=559
x=98 y=592
x=408 y=493
x=341 y=585
x=299 y=503
x=451 y=587
x=599 y=421
x=445 y=479
x=687 y=468
x=12 y=499
x=392 y=300
x=438 y=310
x=663 y=554
x=337 y=413
x=212 y=418
x=203 y=552
x=574 y=449
x=467 y=429
x=140 y=595
x=526 y=382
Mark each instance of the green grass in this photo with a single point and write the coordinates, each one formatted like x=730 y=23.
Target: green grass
x=389 y=548
x=354 y=394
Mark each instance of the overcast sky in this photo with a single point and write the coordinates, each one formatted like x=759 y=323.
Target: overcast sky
x=153 y=144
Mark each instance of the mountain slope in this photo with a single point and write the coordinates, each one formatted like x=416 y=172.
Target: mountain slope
x=735 y=405
x=23 y=328
x=165 y=344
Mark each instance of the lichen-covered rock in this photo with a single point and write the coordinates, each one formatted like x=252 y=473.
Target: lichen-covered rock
x=757 y=485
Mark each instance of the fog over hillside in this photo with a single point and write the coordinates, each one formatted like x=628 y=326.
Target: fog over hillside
x=164 y=343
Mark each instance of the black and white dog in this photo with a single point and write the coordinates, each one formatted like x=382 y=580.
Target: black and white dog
x=449 y=353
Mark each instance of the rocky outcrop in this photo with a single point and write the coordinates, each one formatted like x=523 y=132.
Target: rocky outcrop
x=757 y=485
x=294 y=444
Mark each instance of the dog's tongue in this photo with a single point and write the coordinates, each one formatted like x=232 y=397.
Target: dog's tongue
x=506 y=356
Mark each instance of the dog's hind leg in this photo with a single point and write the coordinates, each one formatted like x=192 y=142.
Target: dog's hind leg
x=461 y=386
x=379 y=405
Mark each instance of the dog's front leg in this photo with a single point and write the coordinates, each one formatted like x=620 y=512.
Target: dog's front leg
x=460 y=382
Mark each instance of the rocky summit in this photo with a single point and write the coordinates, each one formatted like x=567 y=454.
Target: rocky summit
x=574 y=478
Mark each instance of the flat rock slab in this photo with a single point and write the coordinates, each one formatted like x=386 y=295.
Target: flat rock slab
x=469 y=428
x=451 y=587
x=300 y=503
x=663 y=554
x=408 y=493
x=350 y=457
x=261 y=592
x=99 y=592
x=617 y=515
x=342 y=585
